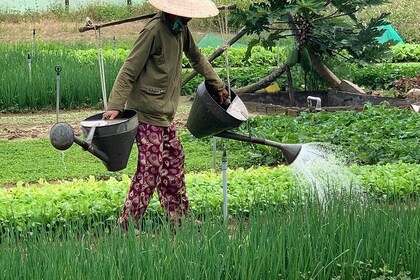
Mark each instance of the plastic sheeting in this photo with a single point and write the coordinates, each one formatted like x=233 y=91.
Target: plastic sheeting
x=389 y=34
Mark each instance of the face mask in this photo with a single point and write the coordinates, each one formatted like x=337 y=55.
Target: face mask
x=177 y=24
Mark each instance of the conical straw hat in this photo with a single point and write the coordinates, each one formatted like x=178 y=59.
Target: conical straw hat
x=187 y=8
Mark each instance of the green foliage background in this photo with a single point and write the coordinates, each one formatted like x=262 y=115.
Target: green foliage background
x=62 y=227
x=31 y=85
x=403 y=16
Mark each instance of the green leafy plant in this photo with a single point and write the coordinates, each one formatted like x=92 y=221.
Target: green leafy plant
x=374 y=135
x=302 y=239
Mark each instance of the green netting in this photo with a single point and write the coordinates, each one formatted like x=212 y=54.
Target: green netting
x=389 y=34
x=212 y=40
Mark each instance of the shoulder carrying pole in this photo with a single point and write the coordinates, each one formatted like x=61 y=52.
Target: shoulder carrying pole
x=98 y=26
x=217 y=53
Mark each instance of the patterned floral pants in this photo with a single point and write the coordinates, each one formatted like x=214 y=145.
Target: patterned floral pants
x=160 y=166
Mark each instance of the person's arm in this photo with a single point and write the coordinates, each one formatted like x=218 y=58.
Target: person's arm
x=203 y=66
x=129 y=73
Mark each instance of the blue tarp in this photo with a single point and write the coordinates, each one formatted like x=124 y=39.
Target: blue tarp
x=389 y=34
x=212 y=40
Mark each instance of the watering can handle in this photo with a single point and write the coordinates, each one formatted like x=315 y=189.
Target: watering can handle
x=90 y=135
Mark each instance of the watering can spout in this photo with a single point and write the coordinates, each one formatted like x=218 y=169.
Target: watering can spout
x=290 y=151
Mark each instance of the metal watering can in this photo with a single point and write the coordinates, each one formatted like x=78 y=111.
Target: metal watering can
x=109 y=140
x=209 y=118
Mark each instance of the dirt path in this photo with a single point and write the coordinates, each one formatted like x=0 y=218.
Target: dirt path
x=38 y=125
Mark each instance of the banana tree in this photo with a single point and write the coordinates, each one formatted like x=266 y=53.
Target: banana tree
x=319 y=28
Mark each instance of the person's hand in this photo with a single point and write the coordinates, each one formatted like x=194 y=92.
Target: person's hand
x=110 y=114
x=223 y=95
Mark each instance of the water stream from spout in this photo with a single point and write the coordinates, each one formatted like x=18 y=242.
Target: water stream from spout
x=63 y=160
x=322 y=168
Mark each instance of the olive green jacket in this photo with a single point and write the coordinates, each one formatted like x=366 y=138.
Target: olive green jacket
x=150 y=80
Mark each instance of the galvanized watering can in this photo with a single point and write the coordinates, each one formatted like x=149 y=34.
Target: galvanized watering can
x=109 y=140
x=208 y=118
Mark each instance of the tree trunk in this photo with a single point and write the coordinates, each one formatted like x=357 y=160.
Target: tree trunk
x=263 y=83
x=290 y=85
x=317 y=63
x=324 y=71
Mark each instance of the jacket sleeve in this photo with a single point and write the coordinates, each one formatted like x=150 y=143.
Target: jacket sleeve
x=131 y=69
x=200 y=63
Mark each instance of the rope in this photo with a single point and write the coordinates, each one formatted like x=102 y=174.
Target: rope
x=98 y=38
x=224 y=31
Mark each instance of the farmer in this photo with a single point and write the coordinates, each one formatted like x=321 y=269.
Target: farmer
x=150 y=83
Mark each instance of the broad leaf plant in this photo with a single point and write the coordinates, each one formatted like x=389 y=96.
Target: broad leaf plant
x=319 y=28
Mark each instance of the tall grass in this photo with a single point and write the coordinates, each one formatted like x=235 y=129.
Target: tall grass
x=34 y=86
x=346 y=240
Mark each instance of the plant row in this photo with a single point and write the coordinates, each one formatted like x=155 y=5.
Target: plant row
x=376 y=135
x=29 y=80
x=345 y=240
x=306 y=240
x=259 y=56
x=43 y=204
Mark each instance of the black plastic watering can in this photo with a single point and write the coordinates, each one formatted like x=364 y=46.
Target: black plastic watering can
x=208 y=118
x=109 y=140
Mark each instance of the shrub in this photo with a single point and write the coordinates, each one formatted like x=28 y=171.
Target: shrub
x=405 y=53
x=382 y=76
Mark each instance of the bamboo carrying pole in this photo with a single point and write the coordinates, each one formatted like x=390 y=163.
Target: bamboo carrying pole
x=217 y=53
x=117 y=22
x=131 y=19
x=212 y=57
